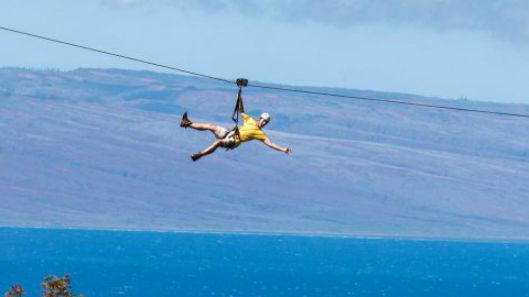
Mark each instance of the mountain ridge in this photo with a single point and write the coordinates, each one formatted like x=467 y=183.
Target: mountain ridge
x=100 y=149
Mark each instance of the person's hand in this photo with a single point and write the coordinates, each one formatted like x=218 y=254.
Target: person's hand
x=288 y=151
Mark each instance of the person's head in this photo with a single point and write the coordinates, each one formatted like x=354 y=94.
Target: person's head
x=263 y=120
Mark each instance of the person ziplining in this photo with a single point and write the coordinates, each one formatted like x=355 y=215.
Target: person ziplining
x=250 y=130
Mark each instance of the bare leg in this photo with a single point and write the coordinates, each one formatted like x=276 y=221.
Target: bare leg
x=218 y=131
x=204 y=126
x=215 y=129
x=207 y=151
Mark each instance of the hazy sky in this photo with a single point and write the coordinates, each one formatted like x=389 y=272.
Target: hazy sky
x=477 y=49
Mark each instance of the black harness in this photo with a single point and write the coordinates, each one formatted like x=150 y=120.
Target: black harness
x=241 y=82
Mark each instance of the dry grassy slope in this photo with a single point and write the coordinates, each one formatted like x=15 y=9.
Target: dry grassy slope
x=102 y=148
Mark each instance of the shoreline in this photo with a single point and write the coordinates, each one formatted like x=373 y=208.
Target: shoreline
x=337 y=235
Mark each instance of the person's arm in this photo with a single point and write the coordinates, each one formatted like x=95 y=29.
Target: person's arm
x=276 y=147
x=240 y=106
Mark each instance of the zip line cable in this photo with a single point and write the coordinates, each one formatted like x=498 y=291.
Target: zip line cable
x=391 y=101
x=292 y=90
x=114 y=54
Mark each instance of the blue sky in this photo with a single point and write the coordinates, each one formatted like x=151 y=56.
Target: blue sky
x=478 y=49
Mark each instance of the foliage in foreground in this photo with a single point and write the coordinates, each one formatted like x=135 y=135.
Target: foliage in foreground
x=52 y=287
x=15 y=291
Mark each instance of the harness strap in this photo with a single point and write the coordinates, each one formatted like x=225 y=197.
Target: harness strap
x=235 y=115
x=241 y=82
x=232 y=145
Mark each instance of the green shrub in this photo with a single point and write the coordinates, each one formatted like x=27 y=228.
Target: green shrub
x=53 y=287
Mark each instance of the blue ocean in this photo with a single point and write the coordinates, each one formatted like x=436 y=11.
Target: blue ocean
x=115 y=263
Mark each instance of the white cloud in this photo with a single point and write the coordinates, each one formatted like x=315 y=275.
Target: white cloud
x=506 y=19
x=123 y=3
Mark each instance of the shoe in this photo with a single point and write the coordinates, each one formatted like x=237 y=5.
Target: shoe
x=185 y=121
x=195 y=157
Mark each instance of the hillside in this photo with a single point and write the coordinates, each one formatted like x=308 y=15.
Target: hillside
x=95 y=148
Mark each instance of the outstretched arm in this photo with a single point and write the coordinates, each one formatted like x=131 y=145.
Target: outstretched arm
x=240 y=106
x=276 y=147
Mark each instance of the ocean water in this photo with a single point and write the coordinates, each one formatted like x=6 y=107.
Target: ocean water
x=111 y=263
